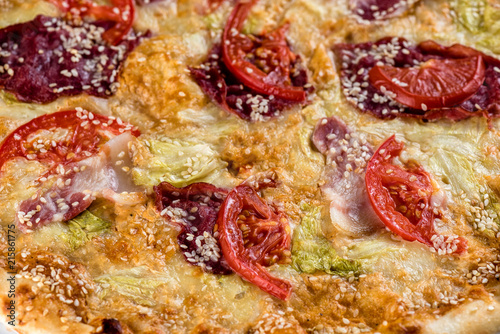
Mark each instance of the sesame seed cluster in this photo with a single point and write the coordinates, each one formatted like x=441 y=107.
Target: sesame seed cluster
x=346 y=151
x=485 y=272
x=69 y=185
x=356 y=62
x=55 y=277
x=347 y=154
x=60 y=203
x=480 y=212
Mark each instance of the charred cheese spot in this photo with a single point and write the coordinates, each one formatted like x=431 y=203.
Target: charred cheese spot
x=323 y=302
x=264 y=147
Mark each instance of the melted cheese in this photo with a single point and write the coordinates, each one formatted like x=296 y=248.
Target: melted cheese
x=402 y=284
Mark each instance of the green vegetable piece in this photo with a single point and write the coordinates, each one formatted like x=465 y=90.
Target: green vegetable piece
x=176 y=162
x=491 y=25
x=84 y=228
x=312 y=252
x=470 y=13
x=482 y=18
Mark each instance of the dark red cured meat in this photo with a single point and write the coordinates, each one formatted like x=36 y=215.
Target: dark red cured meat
x=75 y=185
x=195 y=208
x=40 y=58
x=333 y=133
x=371 y=10
x=345 y=151
x=33 y=214
x=222 y=87
x=356 y=60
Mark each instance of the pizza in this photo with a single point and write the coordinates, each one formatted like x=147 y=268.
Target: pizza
x=250 y=166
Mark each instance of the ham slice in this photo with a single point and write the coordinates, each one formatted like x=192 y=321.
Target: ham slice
x=347 y=154
x=77 y=185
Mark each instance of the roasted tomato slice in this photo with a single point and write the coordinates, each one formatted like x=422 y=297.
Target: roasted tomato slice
x=61 y=138
x=253 y=235
x=434 y=84
x=272 y=77
x=401 y=197
x=122 y=13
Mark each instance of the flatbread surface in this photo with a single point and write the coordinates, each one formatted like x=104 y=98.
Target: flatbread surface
x=132 y=277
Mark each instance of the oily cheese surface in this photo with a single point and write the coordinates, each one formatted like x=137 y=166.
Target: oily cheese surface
x=134 y=270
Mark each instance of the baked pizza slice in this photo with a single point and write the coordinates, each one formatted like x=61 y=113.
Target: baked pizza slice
x=272 y=166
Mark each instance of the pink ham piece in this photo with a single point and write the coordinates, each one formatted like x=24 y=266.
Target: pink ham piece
x=78 y=184
x=347 y=154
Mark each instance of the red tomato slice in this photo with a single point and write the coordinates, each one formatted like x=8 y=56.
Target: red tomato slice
x=236 y=46
x=253 y=235
x=84 y=133
x=401 y=198
x=122 y=12
x=435 y=84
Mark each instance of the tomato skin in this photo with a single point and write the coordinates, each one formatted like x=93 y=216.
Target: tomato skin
x=235 y=47
x=124 y=19
x=456 y=51
x=124 y=24
x=85 y=137
x=232 y=244
x=412 y=188
x=429 y=82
